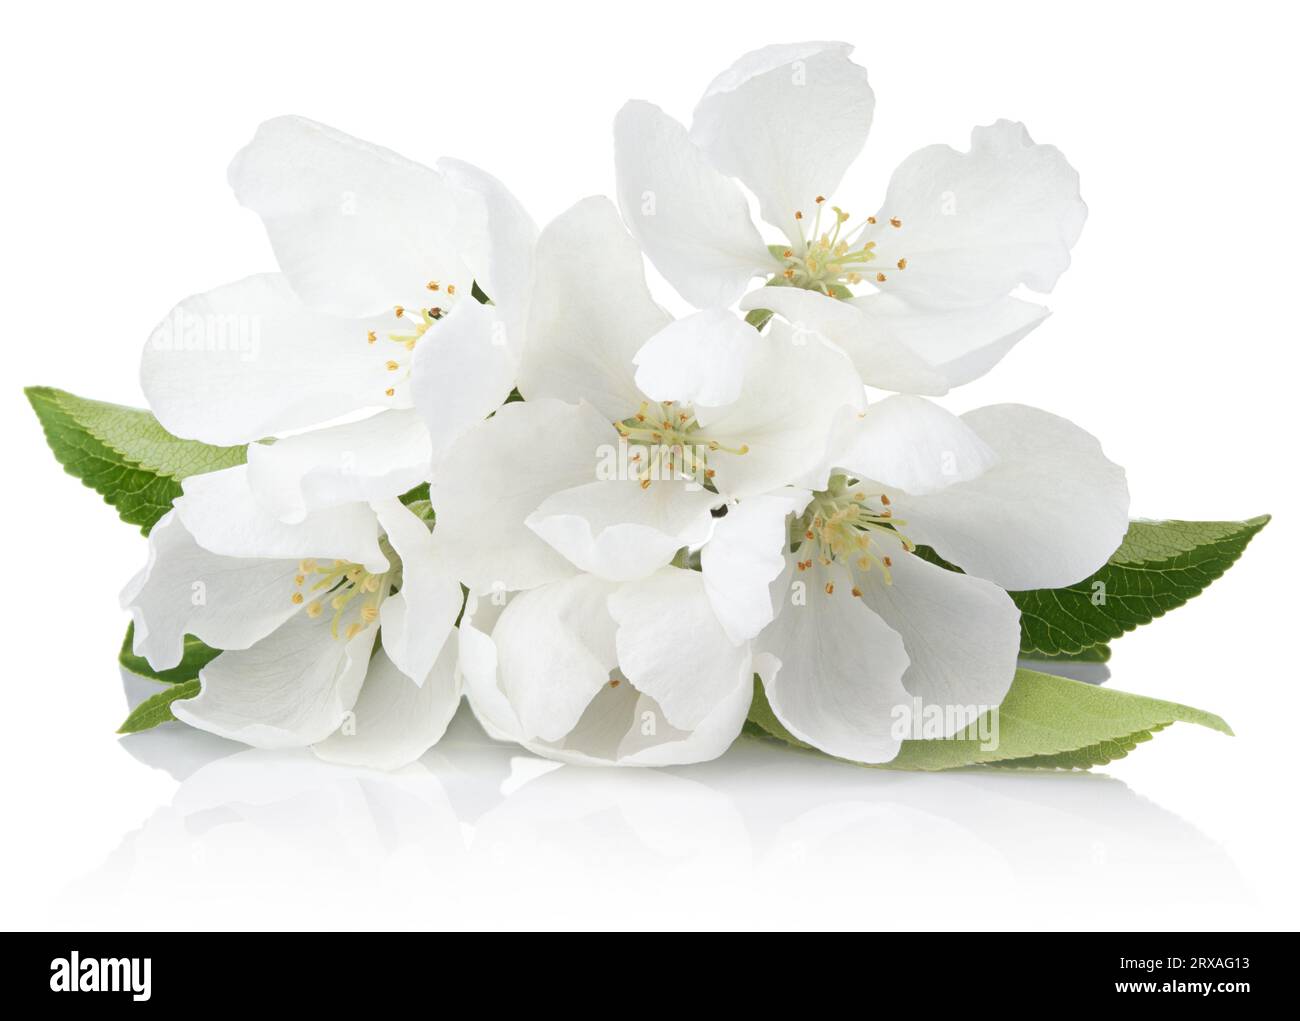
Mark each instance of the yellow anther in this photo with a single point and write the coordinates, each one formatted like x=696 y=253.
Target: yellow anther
x=370 y=337
x=353 y=630
x=894 y=221
x=902 y=264
x=880 y=278
x=400 y=311
x=298 y=579
x=369 y=613
x=451 y=288
x=389 y=392
x=857 y=592
x=830 y=588
x=314 y=610
x=871 y=219
x=390 y=365
x=296 y=598
x=432 y=285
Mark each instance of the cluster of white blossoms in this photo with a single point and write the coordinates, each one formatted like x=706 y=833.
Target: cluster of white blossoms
x=675 y=507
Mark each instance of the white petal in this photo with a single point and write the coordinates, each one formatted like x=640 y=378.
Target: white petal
x=226 y=602
x=976 y=225
x=699 y=360
x=497 y=474
x=394 y=720
x=290 y=689
x=555 y=650
x=626 y=727
x=795 y=388
x=378 y=457
x=418 y=618
x=499 y=239
x=787 y=120
x=672 y=647
x=960 y=344
x=910 y=444
x=692 y=221
x=833 y=669
x=356 y=228
x=621 y=726
x=220 y=511
x=249 y=360
x=591 y=312
x=463 y=370
x=961 y=633
x=618 y=530
x=1047 y=514
x=744 y=556
x=881 y=361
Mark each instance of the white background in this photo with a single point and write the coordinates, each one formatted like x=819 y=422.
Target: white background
x=1174 y=340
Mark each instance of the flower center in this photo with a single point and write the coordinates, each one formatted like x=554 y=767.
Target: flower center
x=845 y=524
x=669 y=443
x=352 y=593
x=833 y=259
x=417 y=323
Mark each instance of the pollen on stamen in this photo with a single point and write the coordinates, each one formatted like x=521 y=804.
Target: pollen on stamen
x=314 y=610
x=370 y=337
x=880 y=278
x=798 y=215
x=391 y=365
x=871 y=219
x=645 y=483
x=353 y=630
x=857 y=592
x=432 y=285
x=894 y=221
x=887 y=561
x=902 y=264
x=451 y=288
x=298 y=579
x=884 y=499
x=399 y=311
x=296 y=598
x=369 y=613
x=830 y=588
x=389 y=392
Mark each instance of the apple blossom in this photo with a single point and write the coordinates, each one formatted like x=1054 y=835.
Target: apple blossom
x=701 y=411
x=296 y=609
x=860 y=625
x=957 y=232
x=378 y=256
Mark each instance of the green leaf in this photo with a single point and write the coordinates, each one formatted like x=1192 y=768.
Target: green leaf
x=194 y=657
x=420 y=492
x=123 y=453
x=1045 y=722
x=1092 y=654
x=157 y=708
x=1159 y=566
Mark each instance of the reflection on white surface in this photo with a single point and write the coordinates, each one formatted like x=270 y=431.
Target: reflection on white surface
x=478 y=835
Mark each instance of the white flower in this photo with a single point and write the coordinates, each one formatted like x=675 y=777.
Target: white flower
x=597 y=672
x=633 y=428
x=957 y=232
x=372 y=308
x=297 y=608
x=861 y=625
